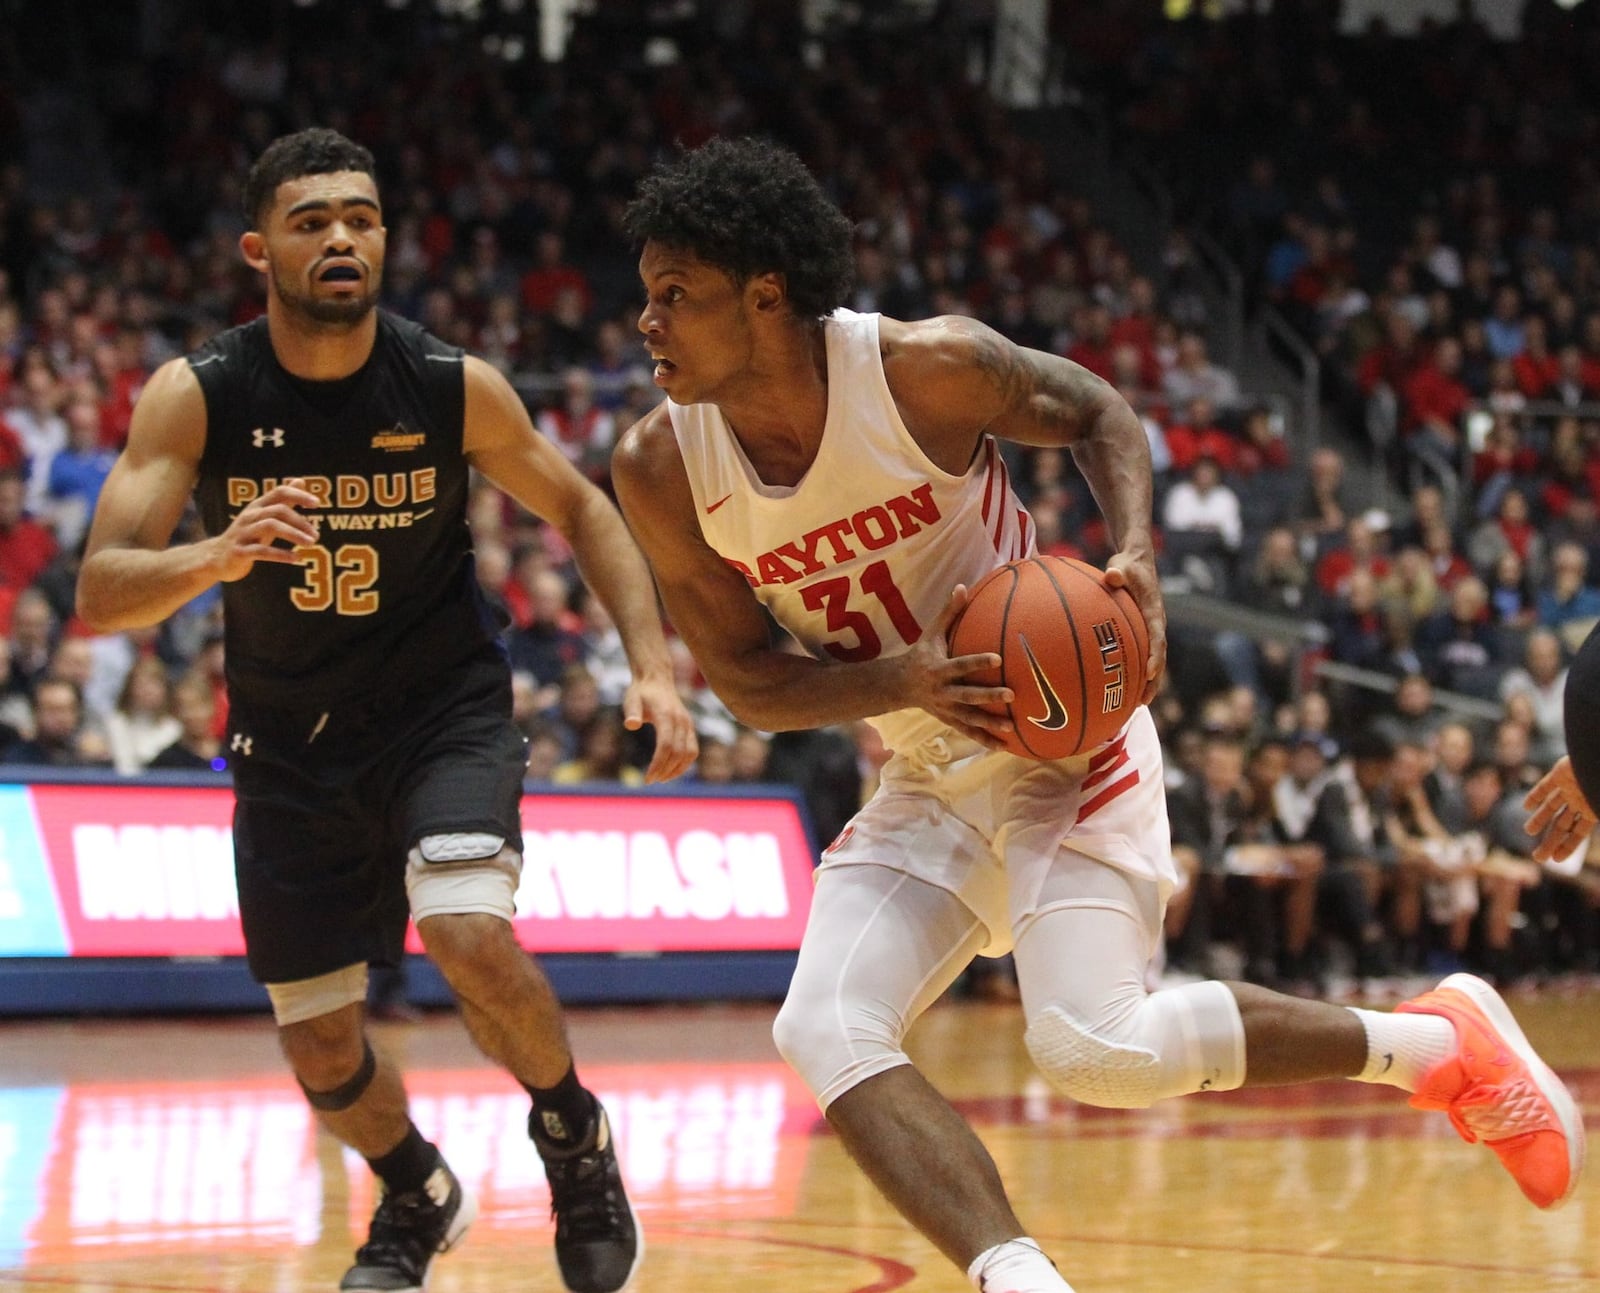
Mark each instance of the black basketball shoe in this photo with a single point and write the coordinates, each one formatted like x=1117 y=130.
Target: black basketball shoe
x=408 y=1231
x=598 y=1244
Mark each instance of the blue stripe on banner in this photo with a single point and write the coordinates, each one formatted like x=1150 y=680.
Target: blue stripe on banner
x=30 y=913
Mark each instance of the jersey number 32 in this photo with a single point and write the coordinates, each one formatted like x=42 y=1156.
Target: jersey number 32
x=341 y=580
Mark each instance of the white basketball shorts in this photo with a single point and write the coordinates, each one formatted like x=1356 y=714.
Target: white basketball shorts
x=988 y=826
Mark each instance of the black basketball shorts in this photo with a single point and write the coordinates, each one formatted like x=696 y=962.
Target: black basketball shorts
x=327 y=806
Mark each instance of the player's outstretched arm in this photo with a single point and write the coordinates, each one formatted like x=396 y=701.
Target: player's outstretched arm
x=503 y=443
x=1560 y=816
x=130 y=577
x=955 y=379
x=721 y=620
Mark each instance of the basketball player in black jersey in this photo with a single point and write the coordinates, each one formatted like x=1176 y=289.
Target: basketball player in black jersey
x=376 y=769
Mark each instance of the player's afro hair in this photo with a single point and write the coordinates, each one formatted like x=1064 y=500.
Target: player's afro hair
x=749 y=206
x=317 y=151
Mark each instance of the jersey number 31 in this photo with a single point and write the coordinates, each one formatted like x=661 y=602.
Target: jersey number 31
x=832 y=597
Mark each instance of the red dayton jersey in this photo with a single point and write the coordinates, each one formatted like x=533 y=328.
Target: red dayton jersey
x=860 y=557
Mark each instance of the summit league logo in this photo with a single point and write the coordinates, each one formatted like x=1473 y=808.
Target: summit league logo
x=395 y=439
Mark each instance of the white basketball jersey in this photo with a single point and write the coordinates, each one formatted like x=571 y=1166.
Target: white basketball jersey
x=859 y=558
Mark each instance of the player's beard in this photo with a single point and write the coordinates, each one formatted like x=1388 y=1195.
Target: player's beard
x=337 y=314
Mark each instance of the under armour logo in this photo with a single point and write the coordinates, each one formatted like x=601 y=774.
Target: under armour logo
x=261 y=437
x=241 y=744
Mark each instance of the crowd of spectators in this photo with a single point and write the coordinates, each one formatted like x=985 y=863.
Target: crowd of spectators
x=1423 y=210
x=1324 y=832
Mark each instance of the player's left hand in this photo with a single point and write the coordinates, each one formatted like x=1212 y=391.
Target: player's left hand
x=1135 y=570
x=656 y=701
x=1560 y=815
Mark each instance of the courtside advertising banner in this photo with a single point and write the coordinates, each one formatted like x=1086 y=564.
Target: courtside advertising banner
x=147 y=870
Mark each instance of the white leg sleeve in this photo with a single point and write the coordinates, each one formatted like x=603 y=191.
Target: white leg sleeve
x=1094 y=1030
x=880 y=947
x=303 y=999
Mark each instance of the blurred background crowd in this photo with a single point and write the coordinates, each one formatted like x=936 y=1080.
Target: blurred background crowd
x=1401 y=578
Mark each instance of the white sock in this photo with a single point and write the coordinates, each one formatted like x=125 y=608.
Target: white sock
x=1402 y=1048
x=1016 y=1266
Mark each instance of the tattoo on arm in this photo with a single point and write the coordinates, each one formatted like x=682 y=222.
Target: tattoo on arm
x=1057 y=397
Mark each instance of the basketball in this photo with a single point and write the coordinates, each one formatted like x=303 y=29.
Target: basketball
x=1072 y=649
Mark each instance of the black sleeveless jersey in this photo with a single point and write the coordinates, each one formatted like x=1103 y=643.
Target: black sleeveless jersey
x=389 y=597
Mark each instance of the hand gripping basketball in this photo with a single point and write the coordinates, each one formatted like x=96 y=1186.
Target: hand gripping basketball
x=1071 y=649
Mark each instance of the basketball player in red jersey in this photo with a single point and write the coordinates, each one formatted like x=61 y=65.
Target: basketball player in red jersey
x=840 y=470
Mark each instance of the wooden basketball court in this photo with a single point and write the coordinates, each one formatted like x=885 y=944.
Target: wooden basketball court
x=176 y=1156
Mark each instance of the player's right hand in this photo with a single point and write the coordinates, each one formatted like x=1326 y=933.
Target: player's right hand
x=938 y=682
x=263 y=526
x=1560 y=815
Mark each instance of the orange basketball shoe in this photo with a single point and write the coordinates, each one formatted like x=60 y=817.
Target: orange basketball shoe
x=1497 y=1090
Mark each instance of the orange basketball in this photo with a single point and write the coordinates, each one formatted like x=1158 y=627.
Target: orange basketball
x=1073 y=651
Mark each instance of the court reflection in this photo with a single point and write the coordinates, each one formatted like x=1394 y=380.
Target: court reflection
x=200 y=1168
x=100 y=1171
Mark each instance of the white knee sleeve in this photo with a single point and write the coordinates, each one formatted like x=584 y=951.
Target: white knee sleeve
x=303 y=999
x=833 y=1052
x=1174 y=1042
x=458 y=874
x=880 y=948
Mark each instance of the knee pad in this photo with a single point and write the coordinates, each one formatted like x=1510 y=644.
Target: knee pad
x=349 y=1091
x=458 y=846
x=1174 y=1042
x=449 y=875
x=835 y=1049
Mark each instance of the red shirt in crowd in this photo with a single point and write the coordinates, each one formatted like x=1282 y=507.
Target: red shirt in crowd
x=116 y=410
x=1333 y=571
x=1255 y=456
x=1556 y=495
x=1433 y=396
x=1535 y=374
x=1519 y=461
x=12 y=455
x=1388 y=364
x=1186 y=443
x=1093 y=355
x=1519 y=535
x=26 y=548
x=541 y=287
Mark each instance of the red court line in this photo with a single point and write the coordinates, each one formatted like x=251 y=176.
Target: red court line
x=895 y=1274
x=1245 y=1250
x=1306 y=1254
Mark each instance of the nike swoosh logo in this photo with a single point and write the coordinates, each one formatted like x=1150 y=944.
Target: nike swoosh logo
x=712 y=507
x=1055 y=714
